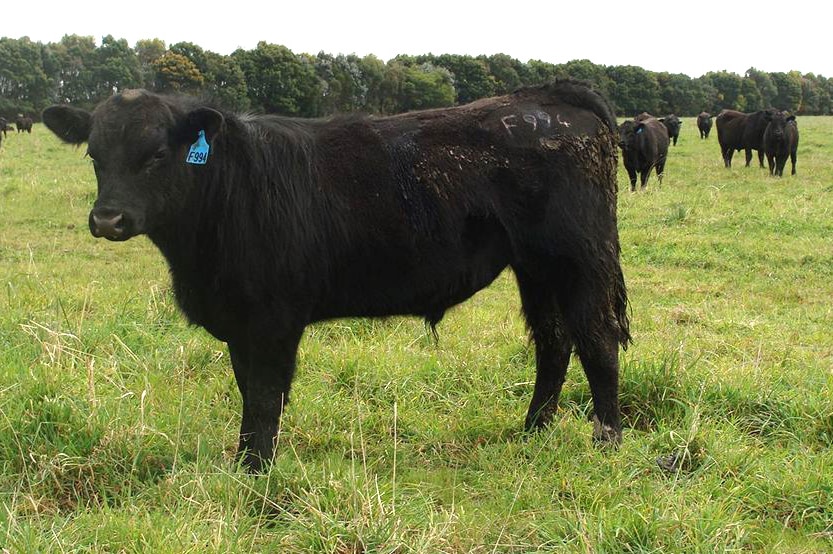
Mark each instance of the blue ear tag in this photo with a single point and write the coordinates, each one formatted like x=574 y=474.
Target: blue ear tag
x=198 y=154
x=637 y=132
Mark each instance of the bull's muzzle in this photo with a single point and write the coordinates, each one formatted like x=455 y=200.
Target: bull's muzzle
x=109 y=224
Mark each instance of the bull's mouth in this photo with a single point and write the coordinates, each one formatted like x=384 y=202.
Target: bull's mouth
x=115 y=237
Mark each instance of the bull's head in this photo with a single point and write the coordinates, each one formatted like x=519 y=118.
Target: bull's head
x=778 y=122
x=628 y=134
x=138 y=143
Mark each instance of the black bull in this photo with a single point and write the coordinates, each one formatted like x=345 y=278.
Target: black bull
x=295 y=221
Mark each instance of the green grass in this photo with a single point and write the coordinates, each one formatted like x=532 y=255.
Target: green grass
x=118 y=422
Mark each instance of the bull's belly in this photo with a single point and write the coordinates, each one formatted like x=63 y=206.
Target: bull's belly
x=425 y=282
x=418 y=293
x=424 y=279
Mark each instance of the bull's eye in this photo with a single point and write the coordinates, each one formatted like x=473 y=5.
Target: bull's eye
x=156 y=157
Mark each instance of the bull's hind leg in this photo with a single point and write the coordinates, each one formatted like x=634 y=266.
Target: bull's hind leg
x=597 y=336
x=660 y=169
x=552 y=349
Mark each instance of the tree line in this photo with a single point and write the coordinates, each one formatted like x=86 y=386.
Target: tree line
x=271 y=78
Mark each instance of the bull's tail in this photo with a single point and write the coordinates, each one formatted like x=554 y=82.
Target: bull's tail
x=619 y=305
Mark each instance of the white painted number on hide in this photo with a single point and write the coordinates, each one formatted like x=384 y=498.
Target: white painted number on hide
x=538 y=121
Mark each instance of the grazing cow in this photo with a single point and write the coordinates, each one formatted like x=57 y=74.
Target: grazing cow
x=4 y=126
x=24 y=123
x=672 y=123
x=270 y=223
x=742 y=131
x=644 y=147
x=780 y=142
x=704 y=124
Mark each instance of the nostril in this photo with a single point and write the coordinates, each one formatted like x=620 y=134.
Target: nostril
x=110 y=226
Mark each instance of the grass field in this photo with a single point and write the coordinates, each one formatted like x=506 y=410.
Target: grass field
x=118 y=422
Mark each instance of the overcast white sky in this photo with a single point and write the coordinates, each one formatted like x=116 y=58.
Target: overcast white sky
x=658 y=35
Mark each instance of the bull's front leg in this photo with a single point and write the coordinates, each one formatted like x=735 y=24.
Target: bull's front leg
x=263 y=368
x=632 y=178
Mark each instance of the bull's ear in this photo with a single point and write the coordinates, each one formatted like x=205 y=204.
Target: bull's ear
x=203 y=119
x=70 y=124
x=790 y=118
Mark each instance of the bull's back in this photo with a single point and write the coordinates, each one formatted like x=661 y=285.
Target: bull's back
x=730 y=128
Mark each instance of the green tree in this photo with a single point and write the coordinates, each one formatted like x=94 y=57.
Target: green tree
x=116 y=68
x=705 y=95
x=815 y=97
x=279 y=81
x=586 y=70
x=193 y=52
x=470 y=76
x=343 y=86
x=176 y=73
x=75 y=59
x=373 y=71
x=752 y=98
x=148 y=51
x=678 y=94
x=789 y=90
x=766 y=88
x=25 y=86
x=633 y=90
x=225 y=81
x=506 y=72
x=415 y=87
x=539 y=72
x=728 y=87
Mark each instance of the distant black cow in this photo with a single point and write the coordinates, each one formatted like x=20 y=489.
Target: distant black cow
x=672 y=123
x=644 y=147
x=284 y=222
x=742 y=131
x=704 y=124
x=780 y=142
x=4 y=126
x=24 y=123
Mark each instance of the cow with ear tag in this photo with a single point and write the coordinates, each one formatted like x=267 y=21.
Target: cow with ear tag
x=271 y=223
x=644 y=144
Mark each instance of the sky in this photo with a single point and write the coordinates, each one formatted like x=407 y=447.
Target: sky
x=676 y=36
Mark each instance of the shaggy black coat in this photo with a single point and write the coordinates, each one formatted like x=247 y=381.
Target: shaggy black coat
x=294 y=221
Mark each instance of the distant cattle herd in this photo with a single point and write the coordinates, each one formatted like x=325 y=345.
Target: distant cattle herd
x=645 y=139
